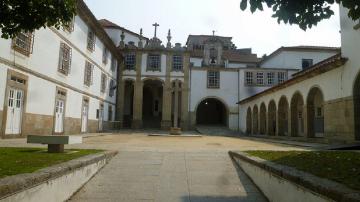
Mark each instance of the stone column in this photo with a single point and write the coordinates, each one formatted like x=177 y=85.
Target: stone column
x=119 y=98
x=167 y=97
x=138 y=95
x=176 y=104
x=277 y=121
x=305 y=121
x=185 y=89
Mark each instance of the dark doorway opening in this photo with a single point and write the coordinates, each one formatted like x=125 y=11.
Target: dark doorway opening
x=211 y=112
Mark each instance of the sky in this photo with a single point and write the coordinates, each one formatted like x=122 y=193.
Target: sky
x=258 y=31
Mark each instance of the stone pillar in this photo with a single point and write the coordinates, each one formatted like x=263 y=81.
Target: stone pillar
x=185 y=89
x=167 y=97
x=305 y=121
x=175 y=130
x=138 y=95
x=120 y=103
x=277 y=121
x=267 y=123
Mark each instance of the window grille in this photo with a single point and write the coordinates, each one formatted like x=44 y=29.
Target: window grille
x=65 y=59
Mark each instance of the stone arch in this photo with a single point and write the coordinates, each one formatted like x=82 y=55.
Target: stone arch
x=255 y=125
x=272 y=118
x=356 y=101
x=152 y=102
x=315 y=113
x=262 y=119
x=248 y=121
x=297 y=115
x=147 y=79
x=212 y=111
x=283 y=116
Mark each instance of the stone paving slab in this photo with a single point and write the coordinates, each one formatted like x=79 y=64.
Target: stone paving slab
x=168 y=177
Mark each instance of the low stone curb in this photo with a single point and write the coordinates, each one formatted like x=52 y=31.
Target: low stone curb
x=14 y=184
x=327 y=188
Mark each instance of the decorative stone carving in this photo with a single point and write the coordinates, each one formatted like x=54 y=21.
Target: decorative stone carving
x=122 y=37
x=140 y=44
x=168 y=45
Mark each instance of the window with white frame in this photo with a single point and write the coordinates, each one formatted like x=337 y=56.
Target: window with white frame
x=249 y=79
x=177 y=63
x=88 y=73
x=260 y=78
x=23 y=43
x=64 y=59
x=103 y=83
x=306 y=63
x=130 y=61
x=213 y=79
x=105 y=55
x=91 y=40
x=154 y=62
x=113 y=63
x=69 y=26
x=270 y=78
x=281 y=77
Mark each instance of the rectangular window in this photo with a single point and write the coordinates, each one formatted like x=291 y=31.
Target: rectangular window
x=88 y=74
x=154 y=63
x=213 y=79
x=69 y=26
x=23 y=43
x=103 y=83
x=113 y=63
x=91 y=40
x=306 y=63
x=110 y=112
x=64 y=59
x=130 y=61
x=281 y=77
x=260 y=78
x=105 y=56
x=270 y=78
x=112 y=88
x=249 y=78
x=177 y=63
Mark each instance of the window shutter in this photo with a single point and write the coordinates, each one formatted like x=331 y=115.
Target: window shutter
x=70 y=59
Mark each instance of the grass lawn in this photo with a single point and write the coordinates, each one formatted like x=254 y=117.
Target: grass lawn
x=339 y=166
x=27 y=160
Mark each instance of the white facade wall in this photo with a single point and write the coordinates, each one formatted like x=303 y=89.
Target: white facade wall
x=44 y=61
x=227 y=93
x=114 y=34
x=293 y=59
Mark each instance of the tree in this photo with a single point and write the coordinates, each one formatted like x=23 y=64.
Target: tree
x=305 y=13
x=29 y=15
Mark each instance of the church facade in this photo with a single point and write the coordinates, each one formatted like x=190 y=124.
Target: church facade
x=96 y=76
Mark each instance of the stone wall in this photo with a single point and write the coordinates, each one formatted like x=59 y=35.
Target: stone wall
x=72 y=125
x=36 y=124
x=339 y=120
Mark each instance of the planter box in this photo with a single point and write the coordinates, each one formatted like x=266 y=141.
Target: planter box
x=283 y=184
x=55 y=183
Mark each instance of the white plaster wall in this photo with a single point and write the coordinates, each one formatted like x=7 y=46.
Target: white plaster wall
x=236 y=65
x=293 y=59
x=3 y=77
x=114 y=34
x=44 y=61
x=227 y=93
x=153 y=73
x=196 y=61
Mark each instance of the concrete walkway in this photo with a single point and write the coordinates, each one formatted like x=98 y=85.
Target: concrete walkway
x=170 y=177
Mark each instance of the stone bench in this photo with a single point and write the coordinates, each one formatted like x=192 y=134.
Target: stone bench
x=55 y=142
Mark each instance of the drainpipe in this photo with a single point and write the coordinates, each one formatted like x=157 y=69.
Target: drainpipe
x=238 y=122
x=189 y=104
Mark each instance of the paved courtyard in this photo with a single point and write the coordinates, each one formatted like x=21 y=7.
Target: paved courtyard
x=153 y=168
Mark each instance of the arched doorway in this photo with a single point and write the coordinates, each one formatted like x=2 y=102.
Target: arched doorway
x=128 y=103
x=315 y=113
x=283 y=115
x=262 y=119
x=356 y=97
x=152 y=103
x=248 y=121
x=211 y=111
x=297 y=115
x=272 y=118
x=255 y=120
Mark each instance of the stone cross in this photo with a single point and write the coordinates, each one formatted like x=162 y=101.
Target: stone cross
x=156 y=25
x=213 y=32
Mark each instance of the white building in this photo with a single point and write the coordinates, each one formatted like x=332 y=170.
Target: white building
x=320 y=103
x=58 y=81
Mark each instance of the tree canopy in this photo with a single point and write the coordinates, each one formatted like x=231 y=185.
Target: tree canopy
x=305 y=13
x=30 y=15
